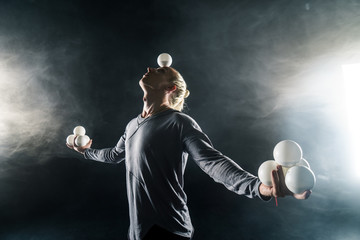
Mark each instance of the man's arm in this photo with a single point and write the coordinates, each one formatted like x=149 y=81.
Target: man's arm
x=224 y=170
x=109 y=155
x=218 y=166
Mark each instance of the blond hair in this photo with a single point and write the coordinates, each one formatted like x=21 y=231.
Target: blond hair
x=177 y=98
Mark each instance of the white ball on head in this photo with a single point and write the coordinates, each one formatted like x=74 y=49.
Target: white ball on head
x=299 y=179
x=265 y=170
x=79 y=131
x=164 y=60
x=81 y=141
x=287 y=153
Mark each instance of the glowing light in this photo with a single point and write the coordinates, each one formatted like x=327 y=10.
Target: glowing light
x=352 y=104
x=27 y=119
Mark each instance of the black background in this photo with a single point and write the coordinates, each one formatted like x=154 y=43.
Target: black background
x=258 y=71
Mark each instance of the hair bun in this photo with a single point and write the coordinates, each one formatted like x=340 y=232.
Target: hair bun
x=187 y=93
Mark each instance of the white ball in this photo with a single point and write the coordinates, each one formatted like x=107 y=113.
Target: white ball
x=70 y=139
x=79 y=131
x=303 y=162
x=287 y=153
x=299 y=179
x=265 y=170
x=164 y=60
x=81 y=141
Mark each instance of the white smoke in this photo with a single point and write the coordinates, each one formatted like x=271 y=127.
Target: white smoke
x=33 y=105
x=26 y=119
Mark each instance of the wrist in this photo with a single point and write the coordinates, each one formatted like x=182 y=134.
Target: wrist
x=265 y=191
x=80 y=150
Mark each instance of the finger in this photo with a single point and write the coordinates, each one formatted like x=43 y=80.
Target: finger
x=88 y=145
x=281 y=174
x=282 y=186
x=303 y=196
x=69 y=146
x=275 y=182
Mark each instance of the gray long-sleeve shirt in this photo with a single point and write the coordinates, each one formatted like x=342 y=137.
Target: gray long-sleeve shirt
x=155 y=150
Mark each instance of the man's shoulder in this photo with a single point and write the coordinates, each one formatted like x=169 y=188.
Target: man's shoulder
x=185 y=119
x=183 y=116
x=132 y=123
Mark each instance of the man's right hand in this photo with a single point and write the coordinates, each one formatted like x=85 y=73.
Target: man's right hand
x=278 y=188
x=79 y=149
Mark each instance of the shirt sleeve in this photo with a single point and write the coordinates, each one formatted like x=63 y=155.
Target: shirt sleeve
x=218 y=166
x=109 y=155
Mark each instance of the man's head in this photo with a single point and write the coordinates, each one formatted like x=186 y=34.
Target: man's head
x=166 y=81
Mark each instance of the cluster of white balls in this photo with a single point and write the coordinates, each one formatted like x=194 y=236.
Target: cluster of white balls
x=298 y=175
x=78 y=137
